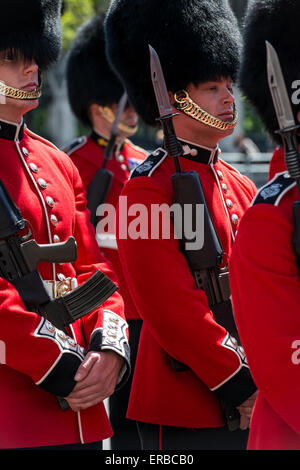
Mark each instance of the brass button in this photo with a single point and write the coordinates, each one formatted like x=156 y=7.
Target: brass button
x=49 y=326
x=42 y=183
x=62 y=335
x=56 y=239
x=62 y=288
x=50 y=201
x=124 y=167
x=220 y=174
x=229 y=203
x=224 y=187
x=53 y=220
x=33 y=167
x=121 y=158
x=25 y=151
x=234 y=219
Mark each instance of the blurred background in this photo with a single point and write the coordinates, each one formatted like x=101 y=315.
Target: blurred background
x=248 y=149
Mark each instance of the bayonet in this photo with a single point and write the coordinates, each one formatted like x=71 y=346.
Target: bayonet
x=283 y=108
x=288 y=131
x=159 y=85
x=113 y=134
x=171 y=143
x=278 y=90
x=99 y=187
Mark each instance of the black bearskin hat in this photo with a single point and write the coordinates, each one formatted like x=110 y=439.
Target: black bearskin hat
x=196 y=40
x=276 y=21
x=31 y=28
x=89 y=76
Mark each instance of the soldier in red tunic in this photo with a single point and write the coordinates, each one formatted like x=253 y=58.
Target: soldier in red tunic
x=94 y=93
x=187 y=363
x=264 y=272
x=40 y=362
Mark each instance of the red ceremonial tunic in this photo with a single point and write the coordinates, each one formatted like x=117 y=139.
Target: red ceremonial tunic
x=87 y=153
x=277 y=163
x=266 y=296
x=38 y=361
x=177 y=321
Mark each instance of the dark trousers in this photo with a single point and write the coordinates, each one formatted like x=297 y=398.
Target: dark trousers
x=156 y=437
x=125 y=431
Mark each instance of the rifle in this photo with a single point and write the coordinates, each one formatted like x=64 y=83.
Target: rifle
x=18 y=262
x=205 y=264
x=100 y=185
x=19 y=257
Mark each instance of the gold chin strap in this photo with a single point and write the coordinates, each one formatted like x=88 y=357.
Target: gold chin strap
x=107 y=113
x=185 y=104
x=15 y=93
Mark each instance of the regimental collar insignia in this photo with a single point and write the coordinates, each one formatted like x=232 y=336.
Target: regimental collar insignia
x=274 y=190
x=98 y=139
x=199 y=154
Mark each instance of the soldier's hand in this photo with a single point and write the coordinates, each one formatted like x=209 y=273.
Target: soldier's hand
x=245 y=410
x=96 y=379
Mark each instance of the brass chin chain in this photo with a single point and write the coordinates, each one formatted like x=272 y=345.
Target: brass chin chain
x=110 y=117
x=185 y=104
x=15 y=93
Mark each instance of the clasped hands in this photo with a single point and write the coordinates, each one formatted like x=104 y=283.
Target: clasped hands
x=96 y=379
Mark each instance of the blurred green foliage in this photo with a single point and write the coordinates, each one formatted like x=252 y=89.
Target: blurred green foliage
x=77 y=12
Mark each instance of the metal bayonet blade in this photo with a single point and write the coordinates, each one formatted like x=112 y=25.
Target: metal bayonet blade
x=121 y=107
x=278 y=90
x=159 y=84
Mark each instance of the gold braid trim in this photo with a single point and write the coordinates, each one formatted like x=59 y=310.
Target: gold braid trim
x=185 y=104
x=110 y=117
x=11 y=92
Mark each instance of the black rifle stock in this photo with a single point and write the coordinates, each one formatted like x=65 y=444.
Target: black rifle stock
x=205 y=263
x=98 y=191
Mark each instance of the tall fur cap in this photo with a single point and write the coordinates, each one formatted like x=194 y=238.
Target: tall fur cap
x=196 y=40
x=276 y=21
x=32 y=28
x=89 y=75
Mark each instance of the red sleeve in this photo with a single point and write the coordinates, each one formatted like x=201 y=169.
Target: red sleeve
x=164 y=291
x=34 y=347
x=266 y=297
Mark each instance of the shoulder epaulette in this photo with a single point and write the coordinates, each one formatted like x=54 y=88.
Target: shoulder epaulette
x=74 y=145
x=149 y=165
x=274 y=190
